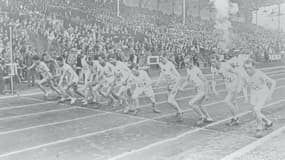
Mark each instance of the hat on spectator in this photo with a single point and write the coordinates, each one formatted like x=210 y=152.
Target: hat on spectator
x=36 y=57
x=249 y=63
x=113 y=56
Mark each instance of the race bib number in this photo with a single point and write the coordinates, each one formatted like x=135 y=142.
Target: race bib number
x=228 y=79
x=72 y=59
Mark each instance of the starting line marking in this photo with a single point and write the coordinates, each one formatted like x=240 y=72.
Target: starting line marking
x=23 y=106
x=38 y=113
x=55 y=123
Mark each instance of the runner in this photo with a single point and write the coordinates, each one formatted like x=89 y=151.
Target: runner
x=90 y=71
x=173 y=79
x=142 y=83
x=238 y=62
x=46 y=76
x=107 y=79
x=122 y=73
x=259 y=94
x=232 y=83
x=198 y=79
x=68 y=80
x=213 y=81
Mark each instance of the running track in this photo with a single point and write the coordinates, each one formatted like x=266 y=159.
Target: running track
x=32 y=129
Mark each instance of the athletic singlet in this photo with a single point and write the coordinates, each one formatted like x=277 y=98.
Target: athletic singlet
x=169 y=72
x=193 y=75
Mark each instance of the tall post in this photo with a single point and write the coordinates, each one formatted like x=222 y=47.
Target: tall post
x=199 y=9
x=184 y=11
x=140 y=3
x=118 y=8
x=256 y=16
x=12 y=60
x=173 y=7
x=279 y=14
x=158 y=5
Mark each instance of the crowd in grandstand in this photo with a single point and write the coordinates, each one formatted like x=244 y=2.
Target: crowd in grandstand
x=59 y=28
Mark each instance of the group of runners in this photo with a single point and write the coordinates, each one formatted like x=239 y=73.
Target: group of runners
x=116 y=81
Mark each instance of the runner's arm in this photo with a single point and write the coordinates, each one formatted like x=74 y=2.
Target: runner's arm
x=32 y=66
x=62 y=77
x=202 y=76
x=175 y=71
x=271 y=81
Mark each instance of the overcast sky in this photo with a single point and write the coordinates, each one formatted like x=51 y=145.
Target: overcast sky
x=268 y=17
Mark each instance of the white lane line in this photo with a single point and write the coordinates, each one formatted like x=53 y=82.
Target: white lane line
x=275 y=67
x=122 y=127
x=22 y=95
x=33 y=99
x=228 y=134
x=55 y=123
x=184 y=134
x=39 y=113
x=23 y=106
x=219 y=132
x=37 y=93
x=253 y=145
x=131 y=116
x=36 y=99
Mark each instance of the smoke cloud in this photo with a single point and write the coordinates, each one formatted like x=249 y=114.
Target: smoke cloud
x=224 y=9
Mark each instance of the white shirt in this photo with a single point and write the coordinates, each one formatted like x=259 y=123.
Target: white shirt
x=69 y=72
x=226 y=70
x=233 y=61
x=108 y=70
x=142 y=80
x=241 y=59
x=257 y=81
x=43 y=69
x=194 y=74
x=122 y=70
x=169 y=72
